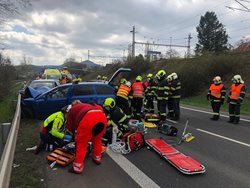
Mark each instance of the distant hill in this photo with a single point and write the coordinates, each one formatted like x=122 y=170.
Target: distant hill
x=90 y=64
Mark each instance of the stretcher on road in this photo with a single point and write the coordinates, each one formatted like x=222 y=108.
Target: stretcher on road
x=183 y=163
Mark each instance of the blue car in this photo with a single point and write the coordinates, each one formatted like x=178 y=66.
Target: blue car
x=53 y=100
x=37 y=87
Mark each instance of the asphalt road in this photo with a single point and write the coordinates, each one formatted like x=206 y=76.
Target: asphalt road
x=223 y=148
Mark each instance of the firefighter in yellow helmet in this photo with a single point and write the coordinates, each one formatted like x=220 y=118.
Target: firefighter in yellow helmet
x=105 y=78
x=137 y=93
x=122 y=97
x=235 y=98
x=161 y=93
x=149 y=94
x=76 y=80
x=99 y=77
x=116 y=117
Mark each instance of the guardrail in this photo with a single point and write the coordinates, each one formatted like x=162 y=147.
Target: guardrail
x=9 y=149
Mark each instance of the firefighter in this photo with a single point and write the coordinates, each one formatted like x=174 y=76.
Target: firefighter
x=52 y=131
x=105 y=78
x=76 y=80
x=235 y=98
x=122 y=97
x=99 y=77
x=170 y=100
x=174 y=96
x=149 y=94
x=137 y=93
x=89 y=122
x=216 y=95
x=121 y=81
x=116 y=118
x=162 y=92
x=63 y=79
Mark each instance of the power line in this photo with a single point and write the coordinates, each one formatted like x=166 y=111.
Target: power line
x=188 y=19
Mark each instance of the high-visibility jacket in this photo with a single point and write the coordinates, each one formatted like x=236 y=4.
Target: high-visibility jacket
x=237 y=92
x=162 y=90
x=123 y=91
x=175 y=89
x=63 y=81
x=76 y=114
x=217 y=92
x=138 y=89
x=54 y=124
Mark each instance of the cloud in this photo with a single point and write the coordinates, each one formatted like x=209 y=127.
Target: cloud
x=51 y=31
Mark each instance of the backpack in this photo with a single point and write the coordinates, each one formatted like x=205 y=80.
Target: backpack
x=134 y=141
x=167 y=129
x=135 y=125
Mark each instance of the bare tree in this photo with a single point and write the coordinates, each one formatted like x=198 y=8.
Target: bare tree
x=11 y=8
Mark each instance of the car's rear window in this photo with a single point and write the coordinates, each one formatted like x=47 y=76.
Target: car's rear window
x=41 y=84
x=104 y=90
x=79 y=90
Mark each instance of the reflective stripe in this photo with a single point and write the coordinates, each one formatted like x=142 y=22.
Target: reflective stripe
x=123 y=90
x=78 y=167
x=90 y=111
x=137 y=89
x=122 y=96
x=122 y=119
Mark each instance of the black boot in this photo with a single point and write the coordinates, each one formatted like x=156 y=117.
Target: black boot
x=236 y=120
x=215 y=118
x=231 y=119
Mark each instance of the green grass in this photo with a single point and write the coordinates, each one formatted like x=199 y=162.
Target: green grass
x=6 y=105
x=201 y=101
x=31 y=169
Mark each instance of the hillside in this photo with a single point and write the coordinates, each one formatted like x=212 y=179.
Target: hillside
x=196 y=74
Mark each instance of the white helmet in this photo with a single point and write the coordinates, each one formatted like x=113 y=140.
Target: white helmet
x=128 y=83
x=237 y=79
x=217 y=80
x=174 y=75
x=169 y=78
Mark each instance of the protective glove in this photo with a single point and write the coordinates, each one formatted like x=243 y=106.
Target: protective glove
x=222 y=102
x=67 y=137
x=228 y=100
x=239 y=101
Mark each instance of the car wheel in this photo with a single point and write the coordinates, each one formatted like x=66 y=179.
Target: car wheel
x=26 y=112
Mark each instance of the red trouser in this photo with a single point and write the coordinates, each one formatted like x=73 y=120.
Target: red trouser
x=84 y=135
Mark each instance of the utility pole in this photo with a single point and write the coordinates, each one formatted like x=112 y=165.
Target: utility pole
x=133 y=42
x=188 y=47
x=88 y=55
x=170 y=55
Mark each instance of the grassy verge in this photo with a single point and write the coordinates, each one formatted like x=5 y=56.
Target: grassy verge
x=30 y=168
x=200 y=101
x=6 y=106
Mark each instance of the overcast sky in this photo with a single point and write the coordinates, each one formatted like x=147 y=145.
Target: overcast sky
x=52 y=30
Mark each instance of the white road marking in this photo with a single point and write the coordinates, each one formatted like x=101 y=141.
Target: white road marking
x=202 y=111
x=226 y=138
x=135 y=173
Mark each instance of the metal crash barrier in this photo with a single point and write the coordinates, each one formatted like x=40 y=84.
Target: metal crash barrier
x=9 y=149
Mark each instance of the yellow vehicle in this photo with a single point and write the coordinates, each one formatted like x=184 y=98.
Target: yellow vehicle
x=52 y=74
